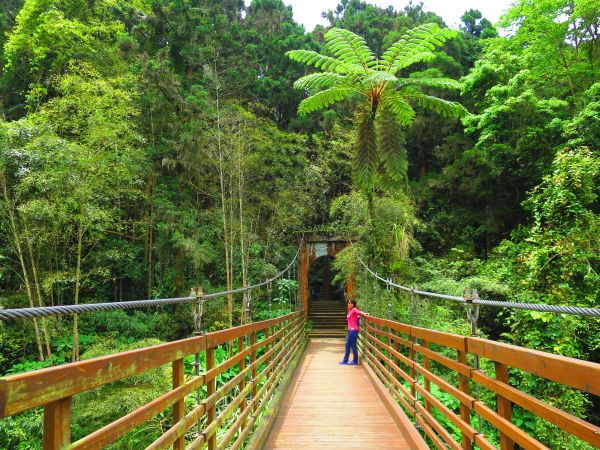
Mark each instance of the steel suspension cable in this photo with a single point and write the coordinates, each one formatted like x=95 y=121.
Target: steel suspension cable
x=30 y=313
x=557 y=309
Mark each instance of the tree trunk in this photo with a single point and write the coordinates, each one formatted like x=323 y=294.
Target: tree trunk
x=77 y=286
x=38 y=290
x=17 y=240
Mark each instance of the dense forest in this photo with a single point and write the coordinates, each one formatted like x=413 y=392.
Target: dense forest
x=150 y=146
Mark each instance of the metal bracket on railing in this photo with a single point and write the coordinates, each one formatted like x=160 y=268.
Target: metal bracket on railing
x=198 y=309
x=248 y=295
x=472 y=309
x=198 y=312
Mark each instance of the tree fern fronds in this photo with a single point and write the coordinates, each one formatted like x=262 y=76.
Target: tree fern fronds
x=444 y=107
x=366 y=159
x=326 y=63
x=380 y=77
x=324 y=98
x=436 y=83
x=320 y=80
x=392 y=148
x=348 y=47
x=395 y=105
x=416 y=45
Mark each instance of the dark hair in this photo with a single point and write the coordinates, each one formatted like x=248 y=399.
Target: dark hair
x=353 y=301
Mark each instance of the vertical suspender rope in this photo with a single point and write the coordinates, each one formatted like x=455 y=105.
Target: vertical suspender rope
x=198 y=312
x=472 y=316
x=388 y=287
x=270 y=293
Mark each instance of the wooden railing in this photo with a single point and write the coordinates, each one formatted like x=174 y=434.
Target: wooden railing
x=261 y=364
x=409 y=359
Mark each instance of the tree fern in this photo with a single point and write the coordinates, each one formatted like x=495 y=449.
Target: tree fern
x=351 y=68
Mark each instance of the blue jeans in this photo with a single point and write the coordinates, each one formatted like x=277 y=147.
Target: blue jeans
x=351 y=344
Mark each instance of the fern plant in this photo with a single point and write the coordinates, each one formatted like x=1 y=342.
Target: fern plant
x=387 y=99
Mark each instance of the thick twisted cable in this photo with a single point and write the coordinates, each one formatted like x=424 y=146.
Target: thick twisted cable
x=557 y=309
x=31 y=313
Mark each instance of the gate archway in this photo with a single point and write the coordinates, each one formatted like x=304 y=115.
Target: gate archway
x=313 y=247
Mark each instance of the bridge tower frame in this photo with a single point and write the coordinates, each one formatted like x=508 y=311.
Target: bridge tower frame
x=312 y=247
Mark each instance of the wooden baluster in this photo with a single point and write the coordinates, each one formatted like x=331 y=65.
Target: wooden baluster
x=463 y=385
x=504 y=406
x=413 y=372
x=179 y=406
x=210 y=390
x=57 y=424
x=267 y=348
x=426 y=364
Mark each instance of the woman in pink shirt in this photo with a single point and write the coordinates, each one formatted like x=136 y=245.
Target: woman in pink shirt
x=352 y=317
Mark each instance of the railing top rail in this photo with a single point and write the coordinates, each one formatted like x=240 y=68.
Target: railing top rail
x=557 y=309
x=28 y=390
x=30 y=313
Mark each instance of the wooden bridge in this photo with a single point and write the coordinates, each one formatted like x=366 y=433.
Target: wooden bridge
x=415 y=388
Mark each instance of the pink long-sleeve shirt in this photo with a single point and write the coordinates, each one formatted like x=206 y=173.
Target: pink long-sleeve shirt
x=352 y=318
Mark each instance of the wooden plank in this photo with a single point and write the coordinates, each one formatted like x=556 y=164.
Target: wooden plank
x=465 y=427
x=439 y=429
x=582 y=375
x=454 y=341
x=511 y=430
x=445 y=386
x=504 y=406
x=429 y=431
x=578 y=427
x=57 y=424
x=179 y=406
x=482 y=443
x=455 y=366
x=111 y=432
x=32 y=389
x=407 y=429
x=324 y=402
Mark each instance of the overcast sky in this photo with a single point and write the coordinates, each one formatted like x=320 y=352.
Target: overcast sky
x=308 y=12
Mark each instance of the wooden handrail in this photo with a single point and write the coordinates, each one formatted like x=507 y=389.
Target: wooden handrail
x=53 y=388
x=401 y=357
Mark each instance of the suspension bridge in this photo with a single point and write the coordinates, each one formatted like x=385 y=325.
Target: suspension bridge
x=415 y=388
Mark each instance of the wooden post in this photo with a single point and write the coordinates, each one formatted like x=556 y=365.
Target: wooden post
x=253 y=361
x=463 y=385
x=57 y=424
x=210 y=390
x=427 y=365
x=504 y=406
x=179 y=406
x=242 y=366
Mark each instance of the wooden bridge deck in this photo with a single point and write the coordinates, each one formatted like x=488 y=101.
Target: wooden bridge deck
x=332 y=406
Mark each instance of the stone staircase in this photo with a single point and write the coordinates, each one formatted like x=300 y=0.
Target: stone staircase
x=328 y=319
